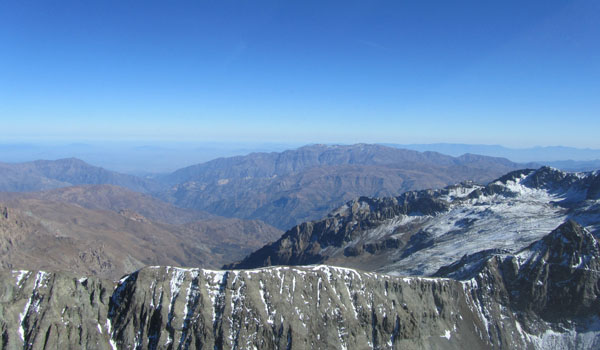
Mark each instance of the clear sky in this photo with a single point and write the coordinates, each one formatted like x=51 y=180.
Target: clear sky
x=516 y=73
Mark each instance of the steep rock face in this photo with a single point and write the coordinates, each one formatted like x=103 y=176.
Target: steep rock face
x=284 y=308
x=161 y=308
x=41 y=310
x=419 y=232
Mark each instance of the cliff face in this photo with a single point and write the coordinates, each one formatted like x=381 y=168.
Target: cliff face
x=497 y=300
x=160 y=308
x=41 y=310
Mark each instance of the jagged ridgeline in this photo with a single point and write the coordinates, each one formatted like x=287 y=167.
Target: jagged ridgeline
x=544 y=297
x=418 y=232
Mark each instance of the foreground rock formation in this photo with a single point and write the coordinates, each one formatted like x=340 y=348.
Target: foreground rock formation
x=545 y=296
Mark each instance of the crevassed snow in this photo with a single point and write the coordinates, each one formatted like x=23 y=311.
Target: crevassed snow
x=493 y=222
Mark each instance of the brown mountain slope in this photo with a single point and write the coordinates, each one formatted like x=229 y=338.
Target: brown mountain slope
x=60 y=236
x=243 y=234
x=115 y=198
x=57 y=235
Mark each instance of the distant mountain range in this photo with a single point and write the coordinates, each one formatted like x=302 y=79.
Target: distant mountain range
x=284 y=189
x=281 y=189
x=48 y=174
x=147 y=158
x=564 y=158
x=137 y=158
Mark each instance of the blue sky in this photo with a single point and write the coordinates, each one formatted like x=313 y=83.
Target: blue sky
x=516 y=73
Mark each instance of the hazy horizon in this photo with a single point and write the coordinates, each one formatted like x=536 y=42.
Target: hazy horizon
x=153 y=157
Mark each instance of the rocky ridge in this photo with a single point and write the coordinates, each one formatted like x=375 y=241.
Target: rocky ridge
x=507 y=302
x=419 y=231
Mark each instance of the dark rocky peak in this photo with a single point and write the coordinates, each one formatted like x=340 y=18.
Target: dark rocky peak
x=492 y=189
x=513 y=176
x=569 y=245
x=422 y=203
x=560 y=275
x=574 y=186
x=542 y=178
x=499 y=186
x=367 y=208
x=469 y=266
x=550 y=179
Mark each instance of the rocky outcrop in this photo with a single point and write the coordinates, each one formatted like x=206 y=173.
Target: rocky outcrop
x=544 y=297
